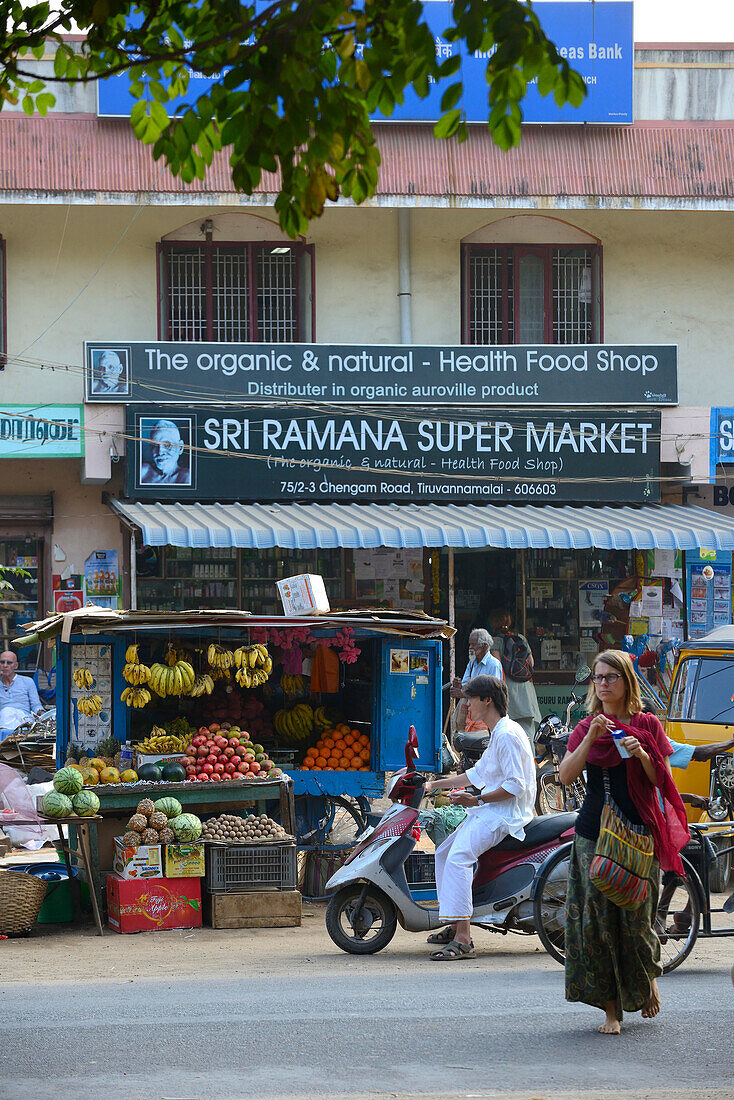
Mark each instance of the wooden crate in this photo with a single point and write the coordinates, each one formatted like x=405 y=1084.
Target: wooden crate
x=256 y=909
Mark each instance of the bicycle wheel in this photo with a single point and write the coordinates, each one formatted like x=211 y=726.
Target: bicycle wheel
x=345 y=820
x=549 y=903
x=678 y=919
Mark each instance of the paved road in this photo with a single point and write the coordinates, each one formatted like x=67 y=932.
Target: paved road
x=395 y=1026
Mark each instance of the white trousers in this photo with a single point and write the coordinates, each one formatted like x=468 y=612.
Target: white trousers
x=456 y=858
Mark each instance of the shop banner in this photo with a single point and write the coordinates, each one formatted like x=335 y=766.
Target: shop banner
x=708 y=590
x=596 y=38
x=230 y=454
x=41 y=431
x=382 y=374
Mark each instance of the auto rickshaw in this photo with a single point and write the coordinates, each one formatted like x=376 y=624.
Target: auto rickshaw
x=701 y=712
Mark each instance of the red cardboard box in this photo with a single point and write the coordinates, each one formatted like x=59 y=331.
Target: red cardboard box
x=148 y=905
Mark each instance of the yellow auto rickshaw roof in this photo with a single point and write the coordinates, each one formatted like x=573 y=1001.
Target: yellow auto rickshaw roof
x=722 y=638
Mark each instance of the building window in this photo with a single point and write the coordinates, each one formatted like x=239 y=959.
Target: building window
x=237 y=292
x=518 y=294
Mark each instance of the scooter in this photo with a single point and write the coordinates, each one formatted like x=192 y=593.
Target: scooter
x=371 y=892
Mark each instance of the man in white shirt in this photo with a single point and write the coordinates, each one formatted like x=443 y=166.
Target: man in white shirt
x=505 y=777
x=18 y=695
x=481 y=663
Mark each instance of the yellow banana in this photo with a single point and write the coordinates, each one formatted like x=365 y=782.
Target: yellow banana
x=131 y=654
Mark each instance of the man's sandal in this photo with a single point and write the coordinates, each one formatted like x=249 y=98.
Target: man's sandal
x=444 y=936
x=454 y=951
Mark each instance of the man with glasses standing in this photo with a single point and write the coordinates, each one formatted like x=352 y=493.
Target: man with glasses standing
x=18 y=696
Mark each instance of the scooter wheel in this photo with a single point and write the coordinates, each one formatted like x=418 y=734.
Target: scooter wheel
x=361 y=929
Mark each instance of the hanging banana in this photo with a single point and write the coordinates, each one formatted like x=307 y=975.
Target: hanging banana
x=82 y=678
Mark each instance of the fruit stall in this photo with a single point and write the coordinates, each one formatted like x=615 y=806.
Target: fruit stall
x=238 y=719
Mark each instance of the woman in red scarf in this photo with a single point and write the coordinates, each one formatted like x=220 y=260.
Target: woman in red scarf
x=613 y=954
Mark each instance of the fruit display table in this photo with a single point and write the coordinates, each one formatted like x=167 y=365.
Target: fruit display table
x=118 y=802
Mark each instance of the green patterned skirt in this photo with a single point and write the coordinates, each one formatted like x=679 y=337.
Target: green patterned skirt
x=612 y=954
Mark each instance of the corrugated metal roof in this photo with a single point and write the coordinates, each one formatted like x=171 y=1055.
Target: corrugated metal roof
x=694 y=161
x=354 y=526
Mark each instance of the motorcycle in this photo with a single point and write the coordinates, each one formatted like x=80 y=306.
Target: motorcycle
x=371 y=893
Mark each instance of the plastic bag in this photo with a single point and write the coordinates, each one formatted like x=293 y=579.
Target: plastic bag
x=441 y=822
x=17 y=797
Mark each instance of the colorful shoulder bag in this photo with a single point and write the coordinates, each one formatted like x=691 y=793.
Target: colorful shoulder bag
x=623 y=858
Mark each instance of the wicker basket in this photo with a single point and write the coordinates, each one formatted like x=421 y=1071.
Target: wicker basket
x=21 y=898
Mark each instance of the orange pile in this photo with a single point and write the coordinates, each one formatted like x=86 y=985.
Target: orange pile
x=339 y=750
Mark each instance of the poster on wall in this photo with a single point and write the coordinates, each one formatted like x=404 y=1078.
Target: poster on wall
x=708 y=590
x=68 y=592
x=392 y=577
x=89 y=729
x=592 y=597
x=102 y=579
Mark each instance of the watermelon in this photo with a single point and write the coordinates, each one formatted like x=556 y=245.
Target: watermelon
x=173 y=772
x=150 y=773
x=86 y=803
x=186 y=827
x=56 y=804
x=171 y=807
x=68 y=781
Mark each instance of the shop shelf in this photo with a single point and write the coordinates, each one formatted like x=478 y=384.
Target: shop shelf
x=233 y=868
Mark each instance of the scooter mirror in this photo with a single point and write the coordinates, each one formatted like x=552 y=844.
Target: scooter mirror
x=583 y=672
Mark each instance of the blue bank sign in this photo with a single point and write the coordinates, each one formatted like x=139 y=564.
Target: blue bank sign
x=722 y=438
x=595 y=35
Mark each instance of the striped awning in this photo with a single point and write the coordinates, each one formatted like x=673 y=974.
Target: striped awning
x=466 y=526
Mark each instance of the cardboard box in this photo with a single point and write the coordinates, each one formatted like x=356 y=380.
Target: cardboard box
x=139 y=861
x=256 y=909
x=303 y=595
x=153 y=904
x=184 y=860
x=160 y=759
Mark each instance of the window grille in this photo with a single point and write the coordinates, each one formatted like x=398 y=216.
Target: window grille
x=571 y=296
x=531 y=295
x=234 y=292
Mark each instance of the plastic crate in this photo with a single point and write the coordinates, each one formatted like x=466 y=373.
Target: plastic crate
x=234 y=868
x=420 y=869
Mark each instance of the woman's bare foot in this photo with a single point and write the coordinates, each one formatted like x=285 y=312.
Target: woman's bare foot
x=652 y=1004
x=611 y=1025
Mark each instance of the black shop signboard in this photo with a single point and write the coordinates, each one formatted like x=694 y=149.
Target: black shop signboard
x=302 y=453
x=522 y=375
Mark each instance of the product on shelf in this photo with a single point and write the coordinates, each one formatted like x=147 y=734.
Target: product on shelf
x=222 y=757
x=56 y=804
x=85 y=804
x=68 y=781
x=230 y=829
x=160 y=822
x=158 y=740
x=340 y=749
x=294 y=724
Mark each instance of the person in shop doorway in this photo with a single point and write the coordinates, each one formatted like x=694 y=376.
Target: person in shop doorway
x=517 y=662
x=18 y=695
x=482 y=662
x=504 y=778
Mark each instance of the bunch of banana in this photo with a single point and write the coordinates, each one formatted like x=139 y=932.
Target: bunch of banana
x=160 y=741
x=250 y=678
x=171 y=656
x=89 y=704
x=176 y=680
x=219 y=656
x=294 y=725
x=136 y=673
x=203 y=685
x=321 y=720
x=82 y=678
x=252 y=656
x=136 y=697
x=220 y=674
x=131 y=655
x=292 y=685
